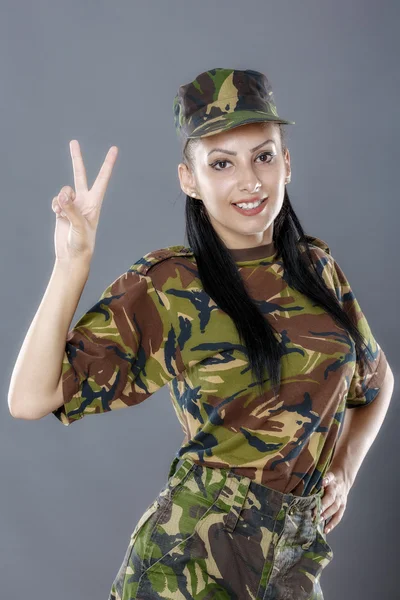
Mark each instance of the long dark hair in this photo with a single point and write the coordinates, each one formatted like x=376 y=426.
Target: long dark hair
x=222 y=281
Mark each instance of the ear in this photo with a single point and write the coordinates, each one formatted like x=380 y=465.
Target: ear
x=186 y=179
x=287 y=162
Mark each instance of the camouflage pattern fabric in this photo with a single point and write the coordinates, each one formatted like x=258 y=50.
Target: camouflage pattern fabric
x=155 y=325
x=213 y=535
x=220 y=99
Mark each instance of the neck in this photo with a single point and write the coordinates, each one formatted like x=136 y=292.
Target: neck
x=262 y=251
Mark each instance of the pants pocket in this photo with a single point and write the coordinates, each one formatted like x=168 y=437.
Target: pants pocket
x=195 y=541
x=181 y=520
x=317 y=556
x=321 y=536
x=146 y=518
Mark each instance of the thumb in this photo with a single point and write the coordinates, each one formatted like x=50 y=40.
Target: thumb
x=329 y=477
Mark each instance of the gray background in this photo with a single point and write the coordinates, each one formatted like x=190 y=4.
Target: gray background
x=106 y=73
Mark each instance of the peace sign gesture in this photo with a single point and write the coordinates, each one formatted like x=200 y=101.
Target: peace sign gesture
x=77 y=218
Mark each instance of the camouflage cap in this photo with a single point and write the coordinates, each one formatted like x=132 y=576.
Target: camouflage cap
x=221 y=99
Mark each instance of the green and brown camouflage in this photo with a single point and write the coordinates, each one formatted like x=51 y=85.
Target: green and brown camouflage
x=220 y=99
x=155 y=325
x=213 y=534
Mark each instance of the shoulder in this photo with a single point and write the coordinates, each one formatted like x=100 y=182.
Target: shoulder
x=318 y=243
x=320 y=251
x=155 y=257
x=322 y=257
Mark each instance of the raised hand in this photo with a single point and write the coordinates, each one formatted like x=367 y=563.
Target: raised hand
x=77 y=219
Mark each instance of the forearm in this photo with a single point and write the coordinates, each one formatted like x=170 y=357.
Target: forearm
x=360 y=428
x=37 y=370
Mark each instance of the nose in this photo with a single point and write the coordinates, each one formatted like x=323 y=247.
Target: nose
x=249 y=182
x=251 y=187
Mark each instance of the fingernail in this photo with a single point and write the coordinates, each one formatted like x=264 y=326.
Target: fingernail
x=63 y=197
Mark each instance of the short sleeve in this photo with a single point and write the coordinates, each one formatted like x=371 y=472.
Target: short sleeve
x=365 y=384
x=121 y=351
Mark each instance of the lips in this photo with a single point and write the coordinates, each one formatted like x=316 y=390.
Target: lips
x=249 y=212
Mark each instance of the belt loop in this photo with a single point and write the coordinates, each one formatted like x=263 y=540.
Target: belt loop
x=239 y=486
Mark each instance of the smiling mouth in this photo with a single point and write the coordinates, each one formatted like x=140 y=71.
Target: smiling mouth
x=258 y=203
x=258 y=200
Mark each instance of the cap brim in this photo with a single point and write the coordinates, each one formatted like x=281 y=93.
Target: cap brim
x=232 y=120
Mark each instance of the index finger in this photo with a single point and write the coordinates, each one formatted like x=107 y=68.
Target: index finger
x=100 y=185
x=78 y=167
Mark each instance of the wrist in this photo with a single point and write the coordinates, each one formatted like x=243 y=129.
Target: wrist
x=73 y=265
x=343 y=472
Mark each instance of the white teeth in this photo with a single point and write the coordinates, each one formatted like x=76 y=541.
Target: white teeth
x=249 y=204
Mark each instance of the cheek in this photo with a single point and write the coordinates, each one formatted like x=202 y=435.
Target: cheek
x=217 y=197
x=217 y=208
x=215 y=184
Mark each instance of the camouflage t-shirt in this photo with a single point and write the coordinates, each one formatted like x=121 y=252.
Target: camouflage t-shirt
x=155 y=325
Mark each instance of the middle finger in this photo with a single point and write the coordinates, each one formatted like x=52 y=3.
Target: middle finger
x=103 y=177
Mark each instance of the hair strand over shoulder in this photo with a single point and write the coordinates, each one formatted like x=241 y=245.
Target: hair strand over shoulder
x=222 y=281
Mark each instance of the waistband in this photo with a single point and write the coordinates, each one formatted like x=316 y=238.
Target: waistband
x=275 y=497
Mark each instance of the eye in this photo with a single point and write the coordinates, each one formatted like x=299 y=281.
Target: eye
x=271 y=154
x=219 y=162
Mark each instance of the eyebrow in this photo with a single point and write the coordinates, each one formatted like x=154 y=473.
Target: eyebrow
x=234 y=153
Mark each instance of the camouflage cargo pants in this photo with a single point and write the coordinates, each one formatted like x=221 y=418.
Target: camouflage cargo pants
x=213 y=535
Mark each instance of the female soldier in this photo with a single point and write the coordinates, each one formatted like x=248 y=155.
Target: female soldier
x=255 y=329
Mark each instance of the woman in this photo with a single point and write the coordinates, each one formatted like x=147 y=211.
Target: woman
x=255 y=329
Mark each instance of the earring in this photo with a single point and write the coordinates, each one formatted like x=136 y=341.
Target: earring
x=288 y=180
x=193 y=195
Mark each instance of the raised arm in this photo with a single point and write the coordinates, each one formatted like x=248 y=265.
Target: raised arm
x=35 y=386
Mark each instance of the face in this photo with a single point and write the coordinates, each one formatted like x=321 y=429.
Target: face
x=233 y=166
